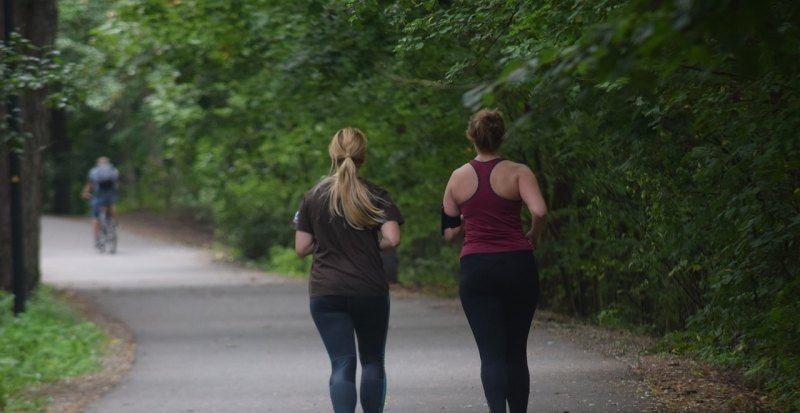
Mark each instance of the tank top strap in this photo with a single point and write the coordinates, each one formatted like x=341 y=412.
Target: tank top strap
x=484 y=171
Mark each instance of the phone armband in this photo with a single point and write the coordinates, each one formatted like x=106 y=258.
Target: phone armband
x=449 y=222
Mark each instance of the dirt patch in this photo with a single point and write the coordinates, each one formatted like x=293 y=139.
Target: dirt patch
x=679 y=384
x=685 y=385
x=72 y=395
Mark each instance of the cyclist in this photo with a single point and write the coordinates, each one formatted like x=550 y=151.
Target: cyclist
x=101 y=188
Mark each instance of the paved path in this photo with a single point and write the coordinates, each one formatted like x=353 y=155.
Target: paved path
x=216 y=338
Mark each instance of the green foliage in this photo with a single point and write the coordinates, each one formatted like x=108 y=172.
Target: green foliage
x=437 y=275
x=25 y=68
x=663 y=135
x=46 y=343
x=284 y=261
x=676 y=131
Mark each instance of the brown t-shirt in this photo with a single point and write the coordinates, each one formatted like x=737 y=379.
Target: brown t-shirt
x=347 y=261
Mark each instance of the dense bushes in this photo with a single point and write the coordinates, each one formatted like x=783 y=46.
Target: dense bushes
x=663 y=134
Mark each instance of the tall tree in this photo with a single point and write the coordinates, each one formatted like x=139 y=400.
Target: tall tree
x=35 y=20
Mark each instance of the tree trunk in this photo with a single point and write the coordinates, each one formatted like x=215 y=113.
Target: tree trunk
x=5 y=189
x=5 y=217
x=35 y=20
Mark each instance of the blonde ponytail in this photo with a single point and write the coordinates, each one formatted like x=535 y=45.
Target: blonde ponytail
x=348 y=197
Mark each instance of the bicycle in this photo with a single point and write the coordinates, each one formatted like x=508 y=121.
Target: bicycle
x=108 y=232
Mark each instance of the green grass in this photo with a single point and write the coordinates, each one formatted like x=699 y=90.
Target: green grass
x=46 y=343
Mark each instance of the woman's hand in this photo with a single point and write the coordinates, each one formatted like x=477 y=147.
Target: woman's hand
x=452 y=234
x=533 y=239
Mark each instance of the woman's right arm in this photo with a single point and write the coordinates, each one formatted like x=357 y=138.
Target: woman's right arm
x=451 y=209
x=532 y=196
x=390 y=235
x=303 y=243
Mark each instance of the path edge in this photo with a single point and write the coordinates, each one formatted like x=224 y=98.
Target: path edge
x=74 y=394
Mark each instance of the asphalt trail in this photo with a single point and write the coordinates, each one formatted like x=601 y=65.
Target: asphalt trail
x=216 y=338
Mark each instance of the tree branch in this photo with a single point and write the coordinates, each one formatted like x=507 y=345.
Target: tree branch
x=436 y=84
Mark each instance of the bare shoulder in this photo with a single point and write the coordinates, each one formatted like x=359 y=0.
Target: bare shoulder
x=464 y=169
x=519 y=169
x=463 y=172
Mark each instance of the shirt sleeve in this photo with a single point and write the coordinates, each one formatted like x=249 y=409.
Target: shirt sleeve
x=304 y=221
x=392 y=211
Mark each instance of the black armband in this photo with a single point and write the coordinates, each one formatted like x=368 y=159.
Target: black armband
x=449 y=222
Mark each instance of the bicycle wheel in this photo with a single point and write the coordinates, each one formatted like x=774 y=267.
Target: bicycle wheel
x=101 y=240
x=111 y=236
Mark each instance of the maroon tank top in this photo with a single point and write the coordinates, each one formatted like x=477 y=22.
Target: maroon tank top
x=491 y=223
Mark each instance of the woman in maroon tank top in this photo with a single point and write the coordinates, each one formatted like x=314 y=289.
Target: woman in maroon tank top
x=499 y=283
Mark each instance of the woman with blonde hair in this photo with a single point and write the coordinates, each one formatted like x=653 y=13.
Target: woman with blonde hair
x=499 y=283
x=338 y=222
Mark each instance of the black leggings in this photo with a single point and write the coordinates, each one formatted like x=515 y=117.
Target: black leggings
x=338 y=319
x=499 y=292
